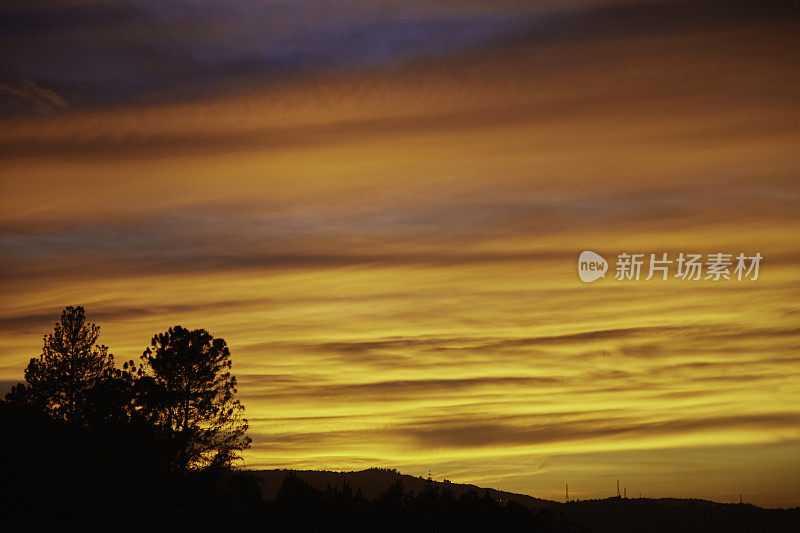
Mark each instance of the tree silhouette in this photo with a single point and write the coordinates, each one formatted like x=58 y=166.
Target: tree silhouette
x=62 y=380
x=187 y=387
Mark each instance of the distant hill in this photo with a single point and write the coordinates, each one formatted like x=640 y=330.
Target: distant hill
x=375 y=481
x=673 y=515
x=610 y=515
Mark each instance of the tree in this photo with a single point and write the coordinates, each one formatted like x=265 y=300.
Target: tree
x=62 y=380
x=188 y=389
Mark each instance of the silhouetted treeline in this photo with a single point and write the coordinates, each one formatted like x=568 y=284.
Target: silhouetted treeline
x=181 y=397
x=632 y=515
x=88 y=445
x=67 y=477
x=301 y=506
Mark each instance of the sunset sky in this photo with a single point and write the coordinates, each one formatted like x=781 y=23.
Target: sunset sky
x=379 y=204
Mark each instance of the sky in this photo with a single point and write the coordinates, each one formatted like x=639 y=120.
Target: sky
x=380 y=205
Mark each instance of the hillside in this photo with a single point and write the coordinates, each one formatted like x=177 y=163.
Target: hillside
x=375 y=481
x=599 y=516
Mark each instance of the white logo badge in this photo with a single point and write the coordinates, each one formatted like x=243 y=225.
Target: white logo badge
x=591 y=266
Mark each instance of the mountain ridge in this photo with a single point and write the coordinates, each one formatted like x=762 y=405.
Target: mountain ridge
x=605 y=515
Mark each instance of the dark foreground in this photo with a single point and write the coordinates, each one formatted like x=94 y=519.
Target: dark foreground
x=600 y=516
x=60 y=478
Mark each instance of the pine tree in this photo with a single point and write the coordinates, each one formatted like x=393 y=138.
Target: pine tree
x=189 y=390
x=62 y=378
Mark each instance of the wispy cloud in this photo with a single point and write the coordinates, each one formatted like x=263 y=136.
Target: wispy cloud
x=17 y=94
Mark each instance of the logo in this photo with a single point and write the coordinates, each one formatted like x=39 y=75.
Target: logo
x=591 y=266
x=719 y=266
